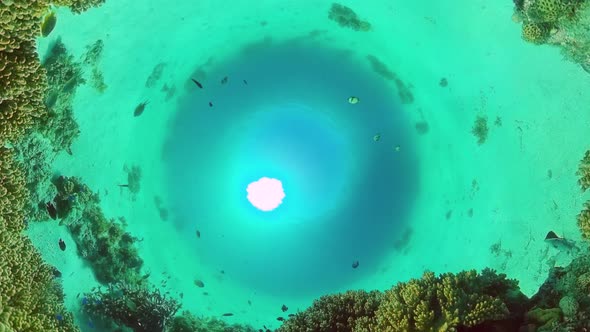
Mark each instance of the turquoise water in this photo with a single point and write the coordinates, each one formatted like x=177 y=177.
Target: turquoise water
x=376 y=192
x=347 y=196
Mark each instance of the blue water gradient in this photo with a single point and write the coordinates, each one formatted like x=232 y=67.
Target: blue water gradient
x=347 y=196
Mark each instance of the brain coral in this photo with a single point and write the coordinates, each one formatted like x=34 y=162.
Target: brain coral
x=534 y=33
x=547 y=10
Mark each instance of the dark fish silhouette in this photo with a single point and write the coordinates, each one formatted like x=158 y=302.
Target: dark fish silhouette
x=227 y=314
x=198 y=234
x=291 y=315
x=224 y=80
x=140 y=108
x=199 y=283
x=355 y=264
x=51 y=210
x=210 y=104
x=62 y=245
x=284 y=308
x=123 y=185
x=245 y=82
x=56 y=272
x=560 y=243
x=197 y=83
x=249 y=302
x=280 y=319
x=205 y=293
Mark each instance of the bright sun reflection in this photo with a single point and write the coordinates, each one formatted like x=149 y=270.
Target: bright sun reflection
x=266 y=194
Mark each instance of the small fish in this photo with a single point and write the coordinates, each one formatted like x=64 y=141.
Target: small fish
x=280 y=319
x=140 y=108
x=355 y=264
x=181 y=295
x=197 y=83
x=291 y=315
x=77 y=296
x=222 y=272
x=245 y=82
x=206 y=293
x=48 y=23
x=224 y=80
x=210 y=104
x=62 y=245
x=59 y=317
x=51 y=210
x=56 y=272
x=123 y=185
x=249 y=302
x=199 y=283
x=198 y=234
x=353 y=100
x=284 y=308
x=227 y=314
x=561 y=243
x=377 y=137
x=443 y=82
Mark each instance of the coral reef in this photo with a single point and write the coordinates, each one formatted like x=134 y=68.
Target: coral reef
x=335 y=313
x=564 y=23
x=347 y=18
x=104 y=243
x=449 y=301
x=480 y=129
x=187 y=322
x=155 y=75
x=584 y=172
x=584 y=221
x=134 y=306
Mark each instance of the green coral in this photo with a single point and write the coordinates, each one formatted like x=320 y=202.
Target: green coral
x=336 y=313
x=536 y=33
x=583 y=172
x=446 y=302
x=139 y=307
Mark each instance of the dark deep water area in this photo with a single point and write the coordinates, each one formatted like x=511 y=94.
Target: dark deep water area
x=348 y=196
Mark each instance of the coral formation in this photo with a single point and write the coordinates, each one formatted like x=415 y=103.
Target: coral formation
x=564 y=23
x=337 y=313
x=584 y=221
x=447 y=302
x=346 y=17
x=104 y=243
x=134 y=306
x=535 y=33
x=583 y=172
x=187 y=322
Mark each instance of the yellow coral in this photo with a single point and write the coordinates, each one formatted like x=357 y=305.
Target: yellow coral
x=584 y=221
x=534 y=33
x=12 y=193
x=584 y=172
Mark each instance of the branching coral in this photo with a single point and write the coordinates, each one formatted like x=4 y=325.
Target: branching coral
x=189 y=323
x=584 y=221
x=447 y=302
x=336 y=313
x=136 y=307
